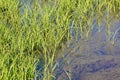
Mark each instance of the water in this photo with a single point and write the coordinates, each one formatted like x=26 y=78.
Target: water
x=94 y=59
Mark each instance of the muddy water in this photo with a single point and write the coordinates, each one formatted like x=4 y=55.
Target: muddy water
x=95 y=59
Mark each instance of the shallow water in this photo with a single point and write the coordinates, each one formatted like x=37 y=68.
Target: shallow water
x=95 y=59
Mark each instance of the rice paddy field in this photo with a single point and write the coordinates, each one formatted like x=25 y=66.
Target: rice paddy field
x=59 y=40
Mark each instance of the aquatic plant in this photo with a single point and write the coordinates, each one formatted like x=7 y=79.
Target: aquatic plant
x=34 y=30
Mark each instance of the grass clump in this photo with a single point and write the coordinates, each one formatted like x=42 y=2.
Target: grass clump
x=35 y=30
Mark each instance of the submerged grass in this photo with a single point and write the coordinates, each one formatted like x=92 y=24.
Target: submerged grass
x=34 y=30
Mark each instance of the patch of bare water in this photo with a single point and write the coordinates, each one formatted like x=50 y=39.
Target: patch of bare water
x=95 y=59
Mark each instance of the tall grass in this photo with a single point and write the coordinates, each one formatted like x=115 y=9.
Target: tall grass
x=34 y=30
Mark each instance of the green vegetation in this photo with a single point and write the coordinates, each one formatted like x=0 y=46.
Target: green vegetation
x=38 y=31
